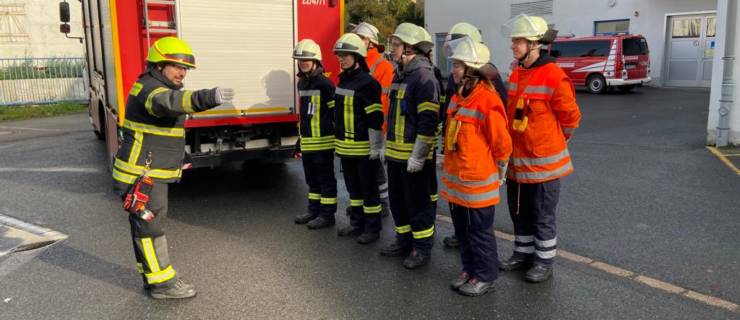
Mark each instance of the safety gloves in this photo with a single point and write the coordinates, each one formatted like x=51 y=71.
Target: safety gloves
x=418 y=155
x=376 y=143
x=224 y=95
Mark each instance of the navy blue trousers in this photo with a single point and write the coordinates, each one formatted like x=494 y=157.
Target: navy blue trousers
x=532 y=210
x=474 y=231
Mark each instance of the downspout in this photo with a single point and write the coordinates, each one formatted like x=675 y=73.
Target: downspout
x=727 y=99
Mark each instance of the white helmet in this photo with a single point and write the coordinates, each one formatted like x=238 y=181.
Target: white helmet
x=532 y=28
x=472 y=54
x=368 y=31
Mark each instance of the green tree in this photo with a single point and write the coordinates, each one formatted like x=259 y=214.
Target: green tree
x=383 y=14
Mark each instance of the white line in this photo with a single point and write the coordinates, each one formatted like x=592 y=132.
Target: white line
x=30 y=129
x=51 y=170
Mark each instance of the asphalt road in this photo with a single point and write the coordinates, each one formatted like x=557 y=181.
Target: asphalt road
x=646 y=196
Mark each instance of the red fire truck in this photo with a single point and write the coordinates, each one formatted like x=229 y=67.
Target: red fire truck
x=245 y=45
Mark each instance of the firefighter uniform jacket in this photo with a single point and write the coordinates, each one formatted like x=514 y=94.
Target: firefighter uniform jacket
x=153 y=129
x=414 y=109
x=316 y=110
x=382 y=70
x=540 y=152
x=476 y=140
x=357 y=109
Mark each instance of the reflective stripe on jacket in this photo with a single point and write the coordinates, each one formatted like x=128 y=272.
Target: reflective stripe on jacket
x=477 y=125
x=316 y=126
x=540 y=152
x=357 y=109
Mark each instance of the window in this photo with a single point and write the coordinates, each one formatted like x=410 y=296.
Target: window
x=634 y=47
x=686 y=28
x=569 y=49
x=13 y=23
x=711 y=26
x=611 y=27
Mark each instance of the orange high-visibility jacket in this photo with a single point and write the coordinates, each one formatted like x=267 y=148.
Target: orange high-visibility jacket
x=381 y=70
x=476 y=126
x=540 y=152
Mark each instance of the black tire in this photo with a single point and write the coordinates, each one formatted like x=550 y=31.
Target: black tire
x=596 y=84
x=626 y=88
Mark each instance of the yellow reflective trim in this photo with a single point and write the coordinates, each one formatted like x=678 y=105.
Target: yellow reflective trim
x=331 y=104
x=150 y=129
x=140 y=267
x=355 y=202
x=316 y=118
x=328 y=200
x=148 y=103
x=403 y=229
x=150 y=255
x=372 y=210
x=136 y=89
x=351 y=131
x=314 y=196
x=434 y=197
x=373 y=108
x=154 y=173
x=133 y=156
x=187 y=101
x=161 y=276
x=123 y=177
x=424 y=234
x=426 y=139
x=428 y=106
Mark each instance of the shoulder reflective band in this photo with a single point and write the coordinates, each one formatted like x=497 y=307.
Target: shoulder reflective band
x=136 y=88
x=148 y=103
x=345 y=92
x=308 y=93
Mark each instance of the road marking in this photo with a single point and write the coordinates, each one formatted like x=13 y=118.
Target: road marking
x=30 y=129
x=51 y=170
x=627 y=274
x=724 y=159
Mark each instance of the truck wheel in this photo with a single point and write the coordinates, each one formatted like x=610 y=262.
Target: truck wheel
x=626 y=88
x=596 y=84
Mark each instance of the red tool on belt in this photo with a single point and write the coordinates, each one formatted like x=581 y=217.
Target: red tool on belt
x=138 y=195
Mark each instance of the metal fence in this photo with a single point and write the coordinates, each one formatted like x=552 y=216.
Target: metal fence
x=26 y=81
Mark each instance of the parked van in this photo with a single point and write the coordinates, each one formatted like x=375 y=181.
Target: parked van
x=600 y=62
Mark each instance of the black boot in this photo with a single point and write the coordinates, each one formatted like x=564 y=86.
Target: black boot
x=516 y=262
x=349 y=231
x=305 y=218
x=368 y=237
x=416 y=260
x=395 y=249
x=451 y=242
x=538 y=273
x=320 y=222
x=474 y=288
x=178 y=290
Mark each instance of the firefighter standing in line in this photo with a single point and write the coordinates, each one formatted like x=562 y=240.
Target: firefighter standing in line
x=543 y=114
x=412 y=122
x=477 y=146
x=153 y=140
x=433 y=188
x=317 y=136
x=382 y=70
x=489 y=70
x=358 y=137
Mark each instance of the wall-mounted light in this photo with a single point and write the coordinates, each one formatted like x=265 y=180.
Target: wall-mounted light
x=637 y=13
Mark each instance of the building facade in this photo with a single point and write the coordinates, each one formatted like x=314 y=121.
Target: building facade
x=30 y=28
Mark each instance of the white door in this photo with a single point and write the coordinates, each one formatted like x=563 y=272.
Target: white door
x=243 y=44
x=690 y=50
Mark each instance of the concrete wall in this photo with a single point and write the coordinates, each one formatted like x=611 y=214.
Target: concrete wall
x=41 y=21
x=717 y=81
x=569 y=16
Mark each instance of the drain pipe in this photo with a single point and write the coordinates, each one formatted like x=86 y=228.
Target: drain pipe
x=727 y=99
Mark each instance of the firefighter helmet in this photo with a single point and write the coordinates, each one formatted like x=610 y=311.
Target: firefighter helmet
x=307 y=49
x=532 y=28
x=368 y=31
x=409 y=33
x=350 y=42
x=171 y=49
x=462 y=29
x=472 y=54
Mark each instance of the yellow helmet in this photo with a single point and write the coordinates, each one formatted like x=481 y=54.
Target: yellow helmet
x=472 y=54
x=307 y=49
x=409 y=33
x=462 y=29
x=368 y=31
x=350 y=42
x=532 y=28
x=171 y=49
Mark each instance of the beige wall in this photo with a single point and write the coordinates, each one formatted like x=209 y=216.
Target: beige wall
x=41 y=23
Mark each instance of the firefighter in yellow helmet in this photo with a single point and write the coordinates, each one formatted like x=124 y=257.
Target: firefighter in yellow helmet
x=412 y=122
x=542 y=114
x=153 y=145
x=316 y=128
x=359 y=137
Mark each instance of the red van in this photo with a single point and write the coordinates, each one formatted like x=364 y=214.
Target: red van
x=600 y=62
